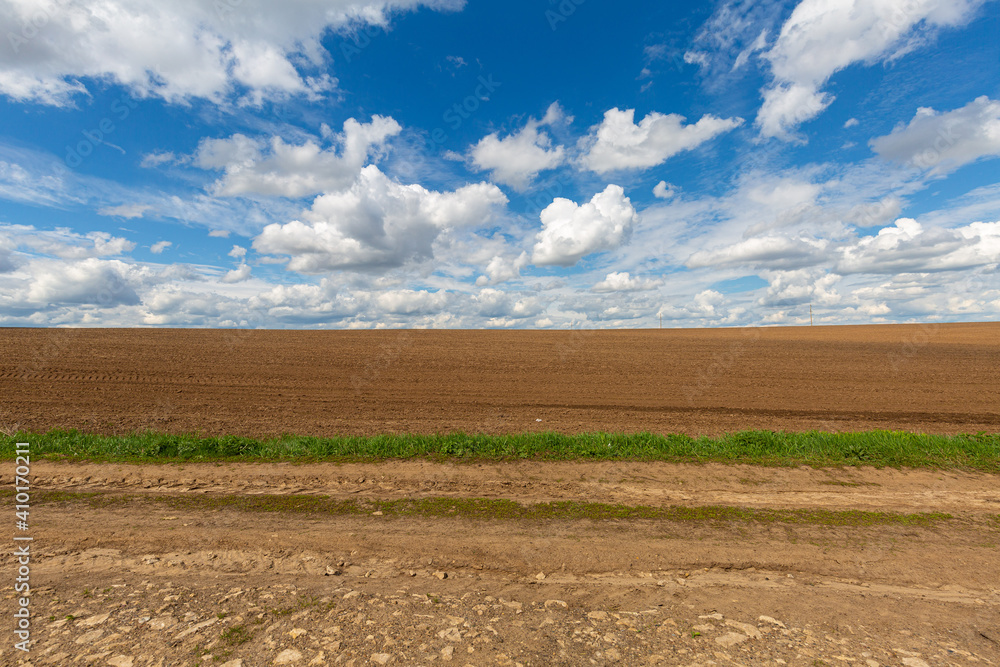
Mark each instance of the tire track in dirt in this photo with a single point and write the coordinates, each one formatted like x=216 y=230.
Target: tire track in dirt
x=629 y=483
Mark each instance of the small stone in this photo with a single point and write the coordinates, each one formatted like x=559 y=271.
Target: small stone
x=297 y=632
x=238 y=662
x=195 y=628
x=556 y=603
x=90 y=637
x=332 y=571
x=441 y=575
x=540 y=576
x=746 y=628
x=731 y=639
x=162 y=623
x=772 y=621
x=93 y=620
x=320 y=658
x=716 y=616
x=447 y=652
x=597 y=615
x=915 y=662
x=872 y=663
x=287 y=657
x=381 y=658
x=612 y=654
x=121 y=661
x=451 y=634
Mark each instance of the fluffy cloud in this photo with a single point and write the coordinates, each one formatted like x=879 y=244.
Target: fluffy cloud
x=411 y=302
x=623 y=282
x=663 y=190
x=517 y=158
x=502 y=306
x=177 y=50
x=237 y=275
x=376 y=224
x=159 y=247
x=618 y=143
x=294 y=171
x=570 y=231
x=908 y=247
x=500 y=269
x=788 y=105
x=791 y=288
x=66 y=244
x=706 y=307
x=822 y=37
x=770 y=251
x=91 y=281
x=943 y=142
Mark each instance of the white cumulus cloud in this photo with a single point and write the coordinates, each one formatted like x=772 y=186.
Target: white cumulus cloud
x=907 y=246
x=91 y=281
x=67 y=244
x=822 y=37
x=771 y=251
x=623 y=282
x=517 y=158
x=501 y=268
x=943 y=142
x=619 y=143
x=663 y=190
x=377 y=223
x=237 y=275
x=294 y=171
x=571 y=231
x=177 y=50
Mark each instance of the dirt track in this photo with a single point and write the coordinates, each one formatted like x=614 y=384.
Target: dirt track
x=930 y=378
x=146 y=584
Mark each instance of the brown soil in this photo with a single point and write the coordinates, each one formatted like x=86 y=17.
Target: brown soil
x=930 y=378
x=148 y=584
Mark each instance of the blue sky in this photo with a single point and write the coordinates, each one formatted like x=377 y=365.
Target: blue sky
x=519 y=164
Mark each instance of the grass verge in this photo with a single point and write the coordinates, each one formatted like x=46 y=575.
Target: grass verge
x=486 y=509
x=815 y=448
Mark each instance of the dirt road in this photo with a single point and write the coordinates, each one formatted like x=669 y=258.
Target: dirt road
x=206 y=582
x=930 y=378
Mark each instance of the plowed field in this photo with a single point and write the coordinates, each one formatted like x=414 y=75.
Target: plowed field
x=929 y=378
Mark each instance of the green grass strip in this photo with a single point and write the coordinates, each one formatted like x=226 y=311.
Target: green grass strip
x=488 y=509
x=815 y=448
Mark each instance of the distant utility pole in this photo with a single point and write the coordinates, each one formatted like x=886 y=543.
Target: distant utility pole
x=810 y=314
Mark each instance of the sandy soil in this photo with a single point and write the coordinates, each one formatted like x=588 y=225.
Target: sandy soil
x=147 y=584
x=931 y=378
